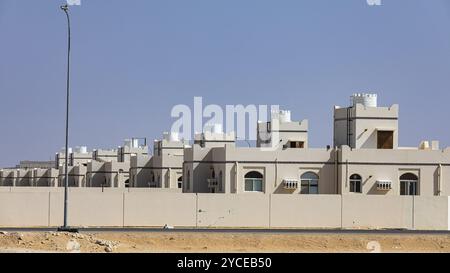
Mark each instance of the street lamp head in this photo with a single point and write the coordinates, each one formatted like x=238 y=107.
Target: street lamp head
x=65 y=7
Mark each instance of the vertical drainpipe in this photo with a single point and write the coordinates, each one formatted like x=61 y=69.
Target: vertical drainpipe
x=336 y=176
x=17 y=178
x=439 y=180
x=35 y=176
x=276 y=172
x=169 y=177
x=31 y=178
x=334 y=128
x=348 y=126
x=236 y=165
x=346 y=173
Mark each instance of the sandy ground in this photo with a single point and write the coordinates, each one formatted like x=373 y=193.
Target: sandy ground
x=108 y=242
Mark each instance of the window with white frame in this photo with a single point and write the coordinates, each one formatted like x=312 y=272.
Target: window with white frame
x=253 y=182
x=355 y=183
x=309 y=183
x=409 y=184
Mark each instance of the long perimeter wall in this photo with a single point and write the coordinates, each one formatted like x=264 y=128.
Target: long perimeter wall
x=31 y=207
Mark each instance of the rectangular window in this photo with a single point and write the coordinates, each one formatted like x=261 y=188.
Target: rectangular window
x=309 y=186
x=252 y=185
x=304 y=189
x=408 y=188
x=403 y=188
x=257 y=185
x=248 y=185
x=413 y=188
x=355 y=186
x=385 y=139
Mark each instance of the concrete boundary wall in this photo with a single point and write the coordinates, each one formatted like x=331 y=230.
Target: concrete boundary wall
x=158 y=209
x=89 y=189
x=431 y=213
x=369 y=211
x=29 y=207
x=305 y=211
x=245 y=210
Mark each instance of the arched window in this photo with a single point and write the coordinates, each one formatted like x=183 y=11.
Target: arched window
x=409 y=184
x=309 y=183
x=253 y=182
x=180 y=182
x=355 y=183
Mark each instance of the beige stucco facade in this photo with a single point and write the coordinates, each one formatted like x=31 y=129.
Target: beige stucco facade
x=162 y=170
x=357 y=164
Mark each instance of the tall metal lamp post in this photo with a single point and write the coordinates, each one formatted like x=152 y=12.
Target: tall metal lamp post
x=65 y=226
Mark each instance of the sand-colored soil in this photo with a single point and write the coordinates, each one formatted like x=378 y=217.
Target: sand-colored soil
x=220 y=242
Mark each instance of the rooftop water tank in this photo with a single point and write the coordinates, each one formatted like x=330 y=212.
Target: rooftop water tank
x=282 y=115
x=215 y=128
x=81 y=149
x=367 y=100
x=135 y=143
x=285 y=116
x=174 y=136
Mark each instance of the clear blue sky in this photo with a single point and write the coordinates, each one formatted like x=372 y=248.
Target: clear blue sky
x=134 y=60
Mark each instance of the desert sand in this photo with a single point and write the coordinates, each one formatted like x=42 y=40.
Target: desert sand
x=117 y=242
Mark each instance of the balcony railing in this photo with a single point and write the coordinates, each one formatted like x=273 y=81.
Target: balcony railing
x=290 y=184
x=384 y=185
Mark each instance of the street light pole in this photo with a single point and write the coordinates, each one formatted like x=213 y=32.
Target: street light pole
x=65 y=226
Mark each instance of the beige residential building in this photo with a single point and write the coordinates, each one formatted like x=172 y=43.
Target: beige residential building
x=77 y=176
x=111 y=168
x=366 y=159
x=281 y=131
x=164 y=169
x=80 y=156
x=29 y=177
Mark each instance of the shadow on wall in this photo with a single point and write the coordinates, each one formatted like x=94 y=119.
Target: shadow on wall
x=371 y=139
x=202 y=172
x=281 y=190
x=373 y=190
